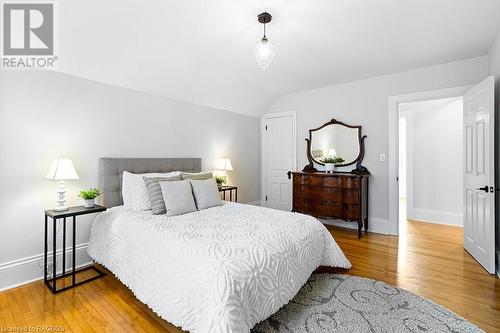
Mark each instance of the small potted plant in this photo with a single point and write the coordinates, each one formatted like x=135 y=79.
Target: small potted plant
x=220 y=180
x=331 y=161
x=89 y=196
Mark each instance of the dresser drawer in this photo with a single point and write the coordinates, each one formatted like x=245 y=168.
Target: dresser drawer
x=328 y=194
x=342 y=182
x=307 y=180
x=322 y=209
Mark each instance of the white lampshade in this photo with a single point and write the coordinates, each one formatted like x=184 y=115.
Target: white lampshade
x=332 y=152
x=224 y=164
x=62 y=169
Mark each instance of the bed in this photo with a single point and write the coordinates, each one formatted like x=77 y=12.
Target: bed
x=221 y=269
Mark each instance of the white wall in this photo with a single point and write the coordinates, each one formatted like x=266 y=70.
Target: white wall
x=494 y=69
x=44 y=115
x=434 y=153
x=365 y=103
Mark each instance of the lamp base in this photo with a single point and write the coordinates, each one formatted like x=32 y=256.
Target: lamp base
x=61 y=191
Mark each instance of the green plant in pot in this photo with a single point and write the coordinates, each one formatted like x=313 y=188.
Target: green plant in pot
x=89 y=196
x=331 y=161
x=220 y=180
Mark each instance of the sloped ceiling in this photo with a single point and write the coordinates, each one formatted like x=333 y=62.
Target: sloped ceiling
x=201 y=51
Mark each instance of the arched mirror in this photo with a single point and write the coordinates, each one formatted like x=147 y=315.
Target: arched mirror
x=336 y=139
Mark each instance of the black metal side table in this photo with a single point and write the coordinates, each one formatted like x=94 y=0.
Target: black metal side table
x=55 y=215
x=229 y=189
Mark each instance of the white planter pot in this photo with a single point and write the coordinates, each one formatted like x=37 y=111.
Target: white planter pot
x=329 y=167
x=89 y=203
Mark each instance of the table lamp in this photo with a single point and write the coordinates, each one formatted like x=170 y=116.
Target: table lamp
x=224 y=164
x=61 y=170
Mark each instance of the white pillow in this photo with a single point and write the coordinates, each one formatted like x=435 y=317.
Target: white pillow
x=134 y=192
x=206 y=194
x=178 y=197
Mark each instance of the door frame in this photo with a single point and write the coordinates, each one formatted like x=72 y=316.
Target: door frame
x=393 y=153
x=263 y=159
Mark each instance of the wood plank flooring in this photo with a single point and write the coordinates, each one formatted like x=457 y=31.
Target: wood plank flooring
x=428 y=260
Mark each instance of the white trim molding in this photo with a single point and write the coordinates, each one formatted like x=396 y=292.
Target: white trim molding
x=26 y=270
x=435 y=216
x=393 y=156
x=498 y=263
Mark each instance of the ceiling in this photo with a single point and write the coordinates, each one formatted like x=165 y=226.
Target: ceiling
x=202 y=51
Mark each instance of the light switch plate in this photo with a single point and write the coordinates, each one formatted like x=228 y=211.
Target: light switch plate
x=382 y=157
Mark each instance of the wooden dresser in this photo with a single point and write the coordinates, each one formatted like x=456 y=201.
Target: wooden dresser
x=335 y=195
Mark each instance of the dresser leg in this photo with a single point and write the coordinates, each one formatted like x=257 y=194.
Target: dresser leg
x=360 y=227
x=366 y=224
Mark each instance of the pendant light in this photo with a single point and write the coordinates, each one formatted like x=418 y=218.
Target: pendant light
x=265 y=51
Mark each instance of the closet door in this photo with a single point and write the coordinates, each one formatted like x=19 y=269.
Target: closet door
x=279 y=158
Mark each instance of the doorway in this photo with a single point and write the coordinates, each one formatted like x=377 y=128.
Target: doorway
x=431 y=162
x=394 y=146
x=478 y=167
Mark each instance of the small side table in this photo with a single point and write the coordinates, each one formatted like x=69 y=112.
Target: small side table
x=229 y=189
x=54 y=215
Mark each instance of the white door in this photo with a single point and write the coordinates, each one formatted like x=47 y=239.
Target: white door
x=279 y=158
x=479 y=180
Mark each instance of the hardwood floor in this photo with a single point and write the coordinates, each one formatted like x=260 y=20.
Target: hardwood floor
x=428 y=260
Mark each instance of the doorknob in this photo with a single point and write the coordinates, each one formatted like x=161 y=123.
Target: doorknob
x=484 y=188
x=289 y=174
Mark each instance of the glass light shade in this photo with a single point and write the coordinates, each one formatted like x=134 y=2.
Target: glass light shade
x=224 y=164
x=265 y=51
x=62 y=169
x=332 y=152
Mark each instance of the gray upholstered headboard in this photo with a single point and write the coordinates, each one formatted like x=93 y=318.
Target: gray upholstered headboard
x=111 y=170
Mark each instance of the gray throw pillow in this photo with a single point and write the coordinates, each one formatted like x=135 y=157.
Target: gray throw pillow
x=155 y=195
x=206 y=194
x=197 y=176
x=178 y=197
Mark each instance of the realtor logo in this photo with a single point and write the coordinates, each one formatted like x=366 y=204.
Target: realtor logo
x=28 y=36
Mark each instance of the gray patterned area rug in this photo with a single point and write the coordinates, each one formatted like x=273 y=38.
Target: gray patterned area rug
x=344 y=303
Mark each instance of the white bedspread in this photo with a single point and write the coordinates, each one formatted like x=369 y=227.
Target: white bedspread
x=222 y=269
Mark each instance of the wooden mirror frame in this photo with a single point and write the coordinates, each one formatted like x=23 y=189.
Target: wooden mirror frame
x=361 y=138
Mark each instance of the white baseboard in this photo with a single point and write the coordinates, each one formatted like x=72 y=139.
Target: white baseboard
x=435 y=216
x=376 y=225
x=254 y=203
x=498 y=262
x=22 y=271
